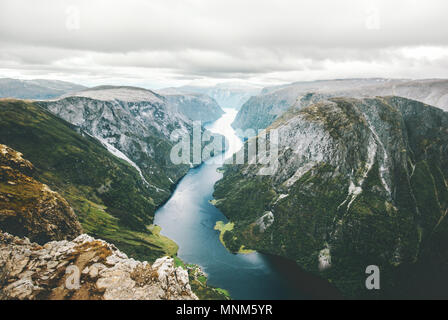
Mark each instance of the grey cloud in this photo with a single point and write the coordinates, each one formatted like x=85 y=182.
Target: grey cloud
x=248 y=39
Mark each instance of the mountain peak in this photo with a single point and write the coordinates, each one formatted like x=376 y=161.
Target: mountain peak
x=122 y=93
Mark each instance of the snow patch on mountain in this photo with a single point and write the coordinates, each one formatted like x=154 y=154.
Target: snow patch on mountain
x=122 y=156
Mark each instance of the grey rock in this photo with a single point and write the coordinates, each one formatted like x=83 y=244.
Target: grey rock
x=116 y=278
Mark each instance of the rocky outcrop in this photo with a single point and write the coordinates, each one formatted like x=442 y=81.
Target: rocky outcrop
x=262 y=110
x=28 y=207
x=356 y=182
x=85 y=268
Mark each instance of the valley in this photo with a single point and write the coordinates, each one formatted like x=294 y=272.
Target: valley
x=357 y=180
x=189 y=219
x=235 y=151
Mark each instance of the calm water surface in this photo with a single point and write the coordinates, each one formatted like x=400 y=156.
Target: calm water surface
x=188 y=218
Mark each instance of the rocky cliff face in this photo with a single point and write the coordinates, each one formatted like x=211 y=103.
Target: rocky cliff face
x=134 y=124
x=357 y=182
x=195 y=106
x=28 y=207
x=84 y=269
x=107 y=193
x=260 y=111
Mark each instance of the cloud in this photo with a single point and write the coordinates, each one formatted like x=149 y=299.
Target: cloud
x=170 y=42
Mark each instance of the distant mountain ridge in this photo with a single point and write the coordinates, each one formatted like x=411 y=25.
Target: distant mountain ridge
x=123 y=93
x=227 y=95
x=260 y=111
x=196 y=106
x=38 y=89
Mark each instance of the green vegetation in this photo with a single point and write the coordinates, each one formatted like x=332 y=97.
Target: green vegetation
x=204 y=292
x=198 y=282
x=222 y=228
x=107 y=194
x=229 y=239
x=404 y=232
x=179 y=263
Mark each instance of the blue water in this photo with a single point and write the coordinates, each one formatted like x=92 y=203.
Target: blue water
x=189 y=219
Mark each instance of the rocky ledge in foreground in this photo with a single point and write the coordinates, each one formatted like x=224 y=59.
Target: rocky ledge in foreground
x=85 y=268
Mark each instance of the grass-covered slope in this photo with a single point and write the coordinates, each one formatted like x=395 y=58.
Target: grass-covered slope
x=358 y=183
x=108 y=195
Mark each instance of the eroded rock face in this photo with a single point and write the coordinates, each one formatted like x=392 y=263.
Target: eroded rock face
x=136 y=125
x=132 y=123
x=85 y=268
x=28 y=207
x=36 y=89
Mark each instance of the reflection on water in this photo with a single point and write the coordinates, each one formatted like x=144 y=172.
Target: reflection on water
x=188 y=218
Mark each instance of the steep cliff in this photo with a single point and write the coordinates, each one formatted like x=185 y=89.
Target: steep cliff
x=133 y=123
x=358 y=182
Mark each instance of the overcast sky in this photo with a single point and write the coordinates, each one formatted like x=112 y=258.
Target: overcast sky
x=158 y=43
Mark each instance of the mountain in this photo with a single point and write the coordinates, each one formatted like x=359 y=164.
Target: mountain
x=228 y=95
x=133 y=123
x=195 y=106
x=107 y=193
x=136 y=126
x=36 y=89
x=358 y=182
x=260 y=111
